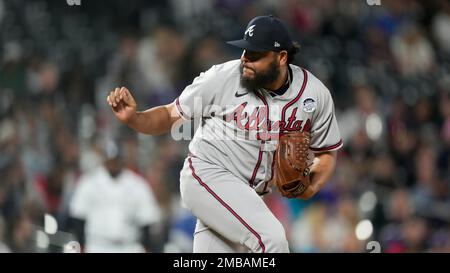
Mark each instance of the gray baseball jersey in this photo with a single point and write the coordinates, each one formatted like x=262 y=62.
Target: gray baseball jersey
x=232 y=152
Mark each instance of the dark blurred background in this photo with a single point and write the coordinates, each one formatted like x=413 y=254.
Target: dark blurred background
x=387 y=67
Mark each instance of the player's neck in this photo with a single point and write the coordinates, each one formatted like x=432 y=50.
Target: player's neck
x=280 y=81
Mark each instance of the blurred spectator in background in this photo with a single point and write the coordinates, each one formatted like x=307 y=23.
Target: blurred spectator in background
x=441 y=27
x=113 y=209
x=159 y=58
x=3 y=246
x=412 y=51
x=22 y=233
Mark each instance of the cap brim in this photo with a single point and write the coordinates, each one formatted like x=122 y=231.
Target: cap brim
x=244 y=44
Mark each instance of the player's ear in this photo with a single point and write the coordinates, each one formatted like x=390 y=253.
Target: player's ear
x=283 y=57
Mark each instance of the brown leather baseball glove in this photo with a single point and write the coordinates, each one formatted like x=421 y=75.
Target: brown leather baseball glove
x=291 y=170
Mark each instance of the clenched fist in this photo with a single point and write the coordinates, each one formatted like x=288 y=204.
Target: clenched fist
x=122 y=104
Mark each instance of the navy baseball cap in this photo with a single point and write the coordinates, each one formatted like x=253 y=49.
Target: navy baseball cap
x=265 y=33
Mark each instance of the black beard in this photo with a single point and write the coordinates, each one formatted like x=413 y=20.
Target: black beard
x=261 y=79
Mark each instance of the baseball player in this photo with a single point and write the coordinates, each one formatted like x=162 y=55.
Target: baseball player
x=244 y=105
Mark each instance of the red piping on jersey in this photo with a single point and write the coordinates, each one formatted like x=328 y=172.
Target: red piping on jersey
x=305 y=80
x=258 y=163
x=261 y=244
x=283 y=113
x=327 y=148
x=177 y=102
x=271 y=172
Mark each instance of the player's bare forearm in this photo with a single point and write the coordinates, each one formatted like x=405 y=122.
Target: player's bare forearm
x=321 y=172
x=155 y=121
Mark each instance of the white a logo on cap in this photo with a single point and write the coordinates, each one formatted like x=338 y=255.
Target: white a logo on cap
x=249 y=30
x=276 y=44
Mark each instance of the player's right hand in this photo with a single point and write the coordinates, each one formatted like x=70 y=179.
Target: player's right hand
x=122 y=103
